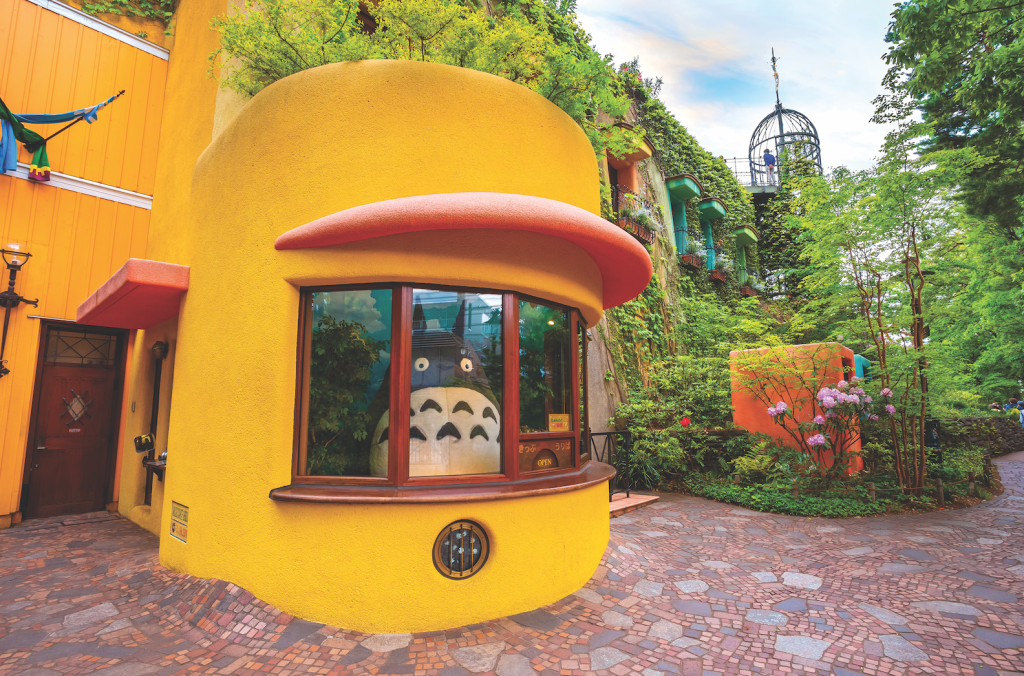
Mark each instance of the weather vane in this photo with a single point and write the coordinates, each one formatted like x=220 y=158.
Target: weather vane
x=776 y=73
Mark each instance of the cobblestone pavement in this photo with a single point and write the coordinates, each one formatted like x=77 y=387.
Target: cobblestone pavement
x=687 y=587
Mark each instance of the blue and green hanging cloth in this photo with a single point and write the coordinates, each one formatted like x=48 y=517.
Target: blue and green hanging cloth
x=12 y=130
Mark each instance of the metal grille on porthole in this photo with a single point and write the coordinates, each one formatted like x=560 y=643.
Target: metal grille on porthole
x=460 y=550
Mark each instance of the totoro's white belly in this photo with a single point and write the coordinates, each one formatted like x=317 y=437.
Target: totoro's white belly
x=460 y=430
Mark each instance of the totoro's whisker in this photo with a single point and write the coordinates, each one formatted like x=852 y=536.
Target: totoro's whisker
x=416 y=433
x=479 y=431
x=383 y=435
x=463 y=406
x=489 y=413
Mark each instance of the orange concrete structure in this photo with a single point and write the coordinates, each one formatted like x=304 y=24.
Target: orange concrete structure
x=792 y=374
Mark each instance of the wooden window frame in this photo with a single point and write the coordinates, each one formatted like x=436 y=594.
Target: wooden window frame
x=400 y=383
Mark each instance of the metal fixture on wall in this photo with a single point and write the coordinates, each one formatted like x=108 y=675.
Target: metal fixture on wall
x=9 y=300
x=461 y=549
x=159 y=353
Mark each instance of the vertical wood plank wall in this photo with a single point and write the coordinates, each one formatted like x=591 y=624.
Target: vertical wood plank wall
x=51 y=64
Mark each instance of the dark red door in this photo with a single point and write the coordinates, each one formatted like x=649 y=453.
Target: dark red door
x=70 y=463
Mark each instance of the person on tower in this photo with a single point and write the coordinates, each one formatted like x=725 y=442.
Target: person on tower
x=769 y=163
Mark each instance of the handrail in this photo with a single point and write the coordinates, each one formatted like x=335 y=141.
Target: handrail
x=608 y=454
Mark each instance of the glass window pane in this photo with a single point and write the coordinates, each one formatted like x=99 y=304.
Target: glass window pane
x=350 y=351
x=455 y=423
x=85 y=349
x=545 y=369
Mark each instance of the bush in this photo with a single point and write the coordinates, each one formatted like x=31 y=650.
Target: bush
x=780 y=501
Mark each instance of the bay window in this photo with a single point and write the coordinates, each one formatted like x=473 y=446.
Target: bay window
x=407 y=386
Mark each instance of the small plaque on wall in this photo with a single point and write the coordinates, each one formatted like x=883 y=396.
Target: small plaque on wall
x=558 y=422
x=179 y=521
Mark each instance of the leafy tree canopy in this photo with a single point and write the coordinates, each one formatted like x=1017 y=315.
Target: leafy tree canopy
x=534 y=43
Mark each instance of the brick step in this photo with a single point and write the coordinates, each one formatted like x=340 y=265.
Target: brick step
x=620 y=504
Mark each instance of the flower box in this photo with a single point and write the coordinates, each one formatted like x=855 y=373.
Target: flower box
x=748 y=291
x=718 y=276
x=641 y=233
x=692 y=261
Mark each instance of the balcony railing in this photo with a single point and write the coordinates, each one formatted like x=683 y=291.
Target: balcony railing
x=636 y=215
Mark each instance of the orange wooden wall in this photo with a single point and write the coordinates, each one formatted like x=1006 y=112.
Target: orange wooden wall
x=51 y=64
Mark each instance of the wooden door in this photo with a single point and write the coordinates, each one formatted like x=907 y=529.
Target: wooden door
x=71 y=460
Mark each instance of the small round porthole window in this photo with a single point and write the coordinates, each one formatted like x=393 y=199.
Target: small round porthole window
x=461 y=550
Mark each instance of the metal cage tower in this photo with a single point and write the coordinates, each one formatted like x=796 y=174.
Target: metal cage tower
x=785 y=133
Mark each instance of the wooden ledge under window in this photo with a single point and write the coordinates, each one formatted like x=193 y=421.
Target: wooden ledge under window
x=593 y=473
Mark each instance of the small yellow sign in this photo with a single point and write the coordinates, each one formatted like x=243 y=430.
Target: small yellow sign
x=558 y=422
x=179 y=521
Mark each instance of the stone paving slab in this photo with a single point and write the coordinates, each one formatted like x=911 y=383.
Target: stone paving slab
x=687 y=587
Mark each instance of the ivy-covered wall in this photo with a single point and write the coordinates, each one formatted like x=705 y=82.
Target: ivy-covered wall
x=635 y=335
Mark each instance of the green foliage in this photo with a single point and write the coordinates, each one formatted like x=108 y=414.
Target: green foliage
x=878 y=238
x=782 y=239
x=154 y=10
x=340 y=372
x=970 y=48
x=770 y=499
x=679 y=152
x=533 y=43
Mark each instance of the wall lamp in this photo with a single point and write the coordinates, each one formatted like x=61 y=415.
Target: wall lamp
x=14 y=260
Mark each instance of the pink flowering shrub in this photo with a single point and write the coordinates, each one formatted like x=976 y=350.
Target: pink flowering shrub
x=836 y=428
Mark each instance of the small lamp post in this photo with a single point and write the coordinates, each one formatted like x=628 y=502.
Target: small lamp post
x=14 y=260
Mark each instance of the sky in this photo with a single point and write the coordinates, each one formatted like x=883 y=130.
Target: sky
x=714 y=59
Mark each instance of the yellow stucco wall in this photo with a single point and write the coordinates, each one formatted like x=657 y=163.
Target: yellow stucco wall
x=187 y=129
x=311 y=145
x=137 y=420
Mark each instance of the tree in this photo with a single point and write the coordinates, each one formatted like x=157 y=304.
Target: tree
x=874 y=237
x=963 y=59
x=531 y=42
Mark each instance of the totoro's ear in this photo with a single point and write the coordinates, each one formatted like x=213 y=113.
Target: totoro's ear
x=419 y=320
x=459 y=329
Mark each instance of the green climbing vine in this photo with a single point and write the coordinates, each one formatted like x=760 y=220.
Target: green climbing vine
x=152 y=10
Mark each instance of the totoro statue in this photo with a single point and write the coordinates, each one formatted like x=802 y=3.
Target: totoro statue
x=454 y=418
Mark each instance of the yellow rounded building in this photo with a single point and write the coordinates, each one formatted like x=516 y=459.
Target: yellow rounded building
x=378 y=418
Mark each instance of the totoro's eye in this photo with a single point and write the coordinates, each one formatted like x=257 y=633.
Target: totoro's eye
x=421 y=364
x=467 y=365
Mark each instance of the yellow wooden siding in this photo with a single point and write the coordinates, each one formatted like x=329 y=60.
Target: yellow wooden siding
x=77 y=242
x=50 y=64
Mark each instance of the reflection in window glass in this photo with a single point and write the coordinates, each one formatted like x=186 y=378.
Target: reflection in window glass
x=545 y=369
x=350 y=351
x=456 y=378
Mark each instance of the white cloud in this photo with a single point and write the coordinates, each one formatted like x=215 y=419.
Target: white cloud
x=713 y=58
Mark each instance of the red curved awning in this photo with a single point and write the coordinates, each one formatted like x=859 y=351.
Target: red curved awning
x=141 y=294
x=624 y=263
